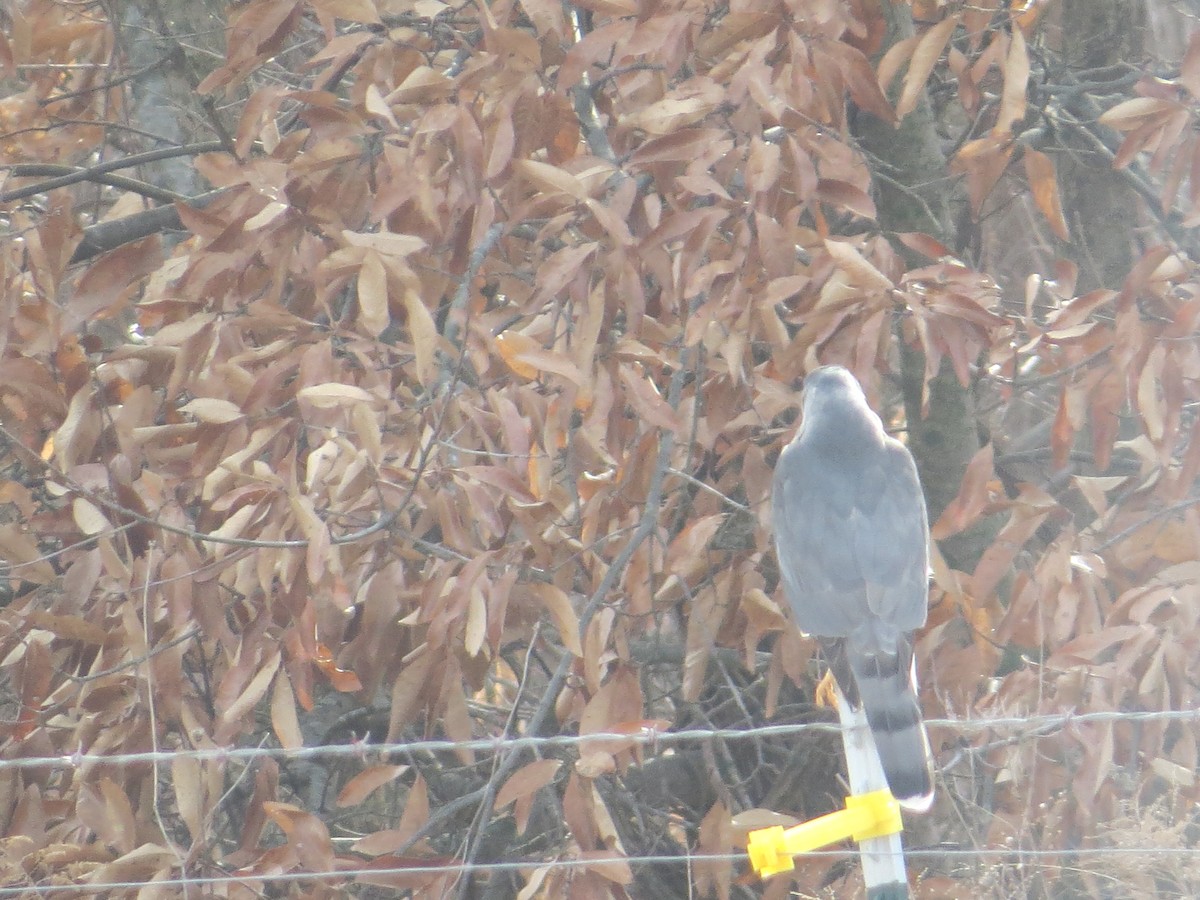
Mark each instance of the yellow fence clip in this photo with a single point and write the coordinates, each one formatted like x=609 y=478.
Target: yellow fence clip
x=866 y=816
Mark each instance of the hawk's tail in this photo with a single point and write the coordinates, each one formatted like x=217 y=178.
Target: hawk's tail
x=886 y=684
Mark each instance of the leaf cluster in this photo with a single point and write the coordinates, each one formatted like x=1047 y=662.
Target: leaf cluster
x=453 y=415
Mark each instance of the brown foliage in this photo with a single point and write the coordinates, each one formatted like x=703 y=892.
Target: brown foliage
x=453 y=416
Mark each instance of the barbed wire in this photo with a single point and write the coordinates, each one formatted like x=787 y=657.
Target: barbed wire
x=645 y=737
x=367 y=873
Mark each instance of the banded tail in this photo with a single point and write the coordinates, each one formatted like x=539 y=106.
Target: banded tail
x=884 y=684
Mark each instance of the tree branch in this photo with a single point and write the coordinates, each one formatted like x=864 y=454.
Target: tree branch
x=62 y=176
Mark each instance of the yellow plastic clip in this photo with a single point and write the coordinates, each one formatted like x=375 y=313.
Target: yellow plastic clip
x=866 y=816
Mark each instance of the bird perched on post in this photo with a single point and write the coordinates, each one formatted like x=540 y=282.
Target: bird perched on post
x=852 y=540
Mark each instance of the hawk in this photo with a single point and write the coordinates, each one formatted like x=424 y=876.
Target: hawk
x=852 y=540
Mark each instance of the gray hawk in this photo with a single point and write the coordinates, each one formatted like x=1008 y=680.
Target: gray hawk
x=852 y=541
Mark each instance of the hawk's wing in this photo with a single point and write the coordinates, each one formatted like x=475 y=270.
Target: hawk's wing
x=851 y=538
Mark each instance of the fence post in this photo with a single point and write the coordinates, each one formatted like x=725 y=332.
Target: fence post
x=882 y=858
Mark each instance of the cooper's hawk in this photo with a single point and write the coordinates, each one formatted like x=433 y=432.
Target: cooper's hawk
x=853 y=547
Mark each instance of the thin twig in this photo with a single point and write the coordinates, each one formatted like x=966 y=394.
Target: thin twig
x=475 y=832
x=134 y=663
x=460 y=302
x=696 y=482
x=1142 y=523
x=156 y=778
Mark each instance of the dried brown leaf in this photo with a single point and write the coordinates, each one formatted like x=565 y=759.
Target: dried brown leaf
x=408 y=689
x=385 y=243
x=306 y=835
x=422 y=330
x=234 y=717
x=684 y=106
x=455 y=717
x=1130 y=114
x=475 y=627
x=893 y=61
x=285 y=721
x=974 y=495
x=550 y=179
x=366 y=782
x=373 y=294
x=1039 y=169
x=104 y=808
x=363 y=11
x=846 y=196
x=213 y=410
x=139 y=866
x=34 y=681
x=416 y=810
x=565 y=619
x=642 y=394
x=527 y=358
x=862 y=82
x=334 y=394
x=716 y=840
x=189 y=794
x=1016 y=85
x=71 y=628
x=526 y=781
x=861 y=272
x=611 y=864
x=924 y=57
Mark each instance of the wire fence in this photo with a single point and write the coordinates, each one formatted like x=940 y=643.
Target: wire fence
x=415 y=871
x=645 y=737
